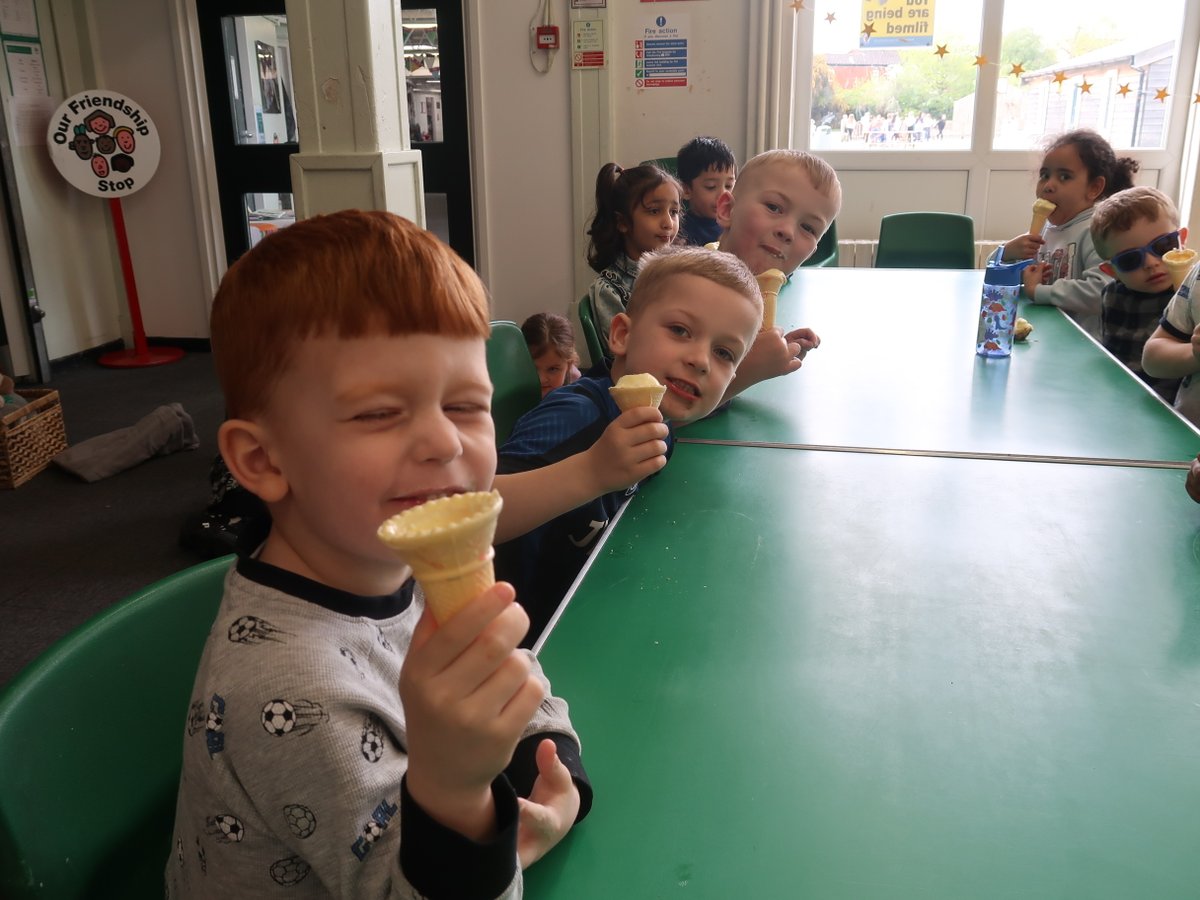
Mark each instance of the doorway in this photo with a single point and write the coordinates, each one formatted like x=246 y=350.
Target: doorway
x=247 y=69
x=436 y=83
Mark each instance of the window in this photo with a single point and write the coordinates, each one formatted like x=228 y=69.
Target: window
x=892 y=75
x=1112 y=71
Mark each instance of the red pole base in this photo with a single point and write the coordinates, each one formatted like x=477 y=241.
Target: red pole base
x=131 y=359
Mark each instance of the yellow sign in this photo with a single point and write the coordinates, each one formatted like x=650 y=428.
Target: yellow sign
x=897 y=23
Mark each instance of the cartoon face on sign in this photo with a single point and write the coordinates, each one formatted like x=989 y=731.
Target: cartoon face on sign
x=99 y=122
x=104 y=143
x=125 y=139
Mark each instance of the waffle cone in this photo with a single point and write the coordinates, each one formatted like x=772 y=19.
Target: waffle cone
x=1041 y=212
x=630 y=398
x=1179 y=263
x=769 y=283
x=448 y=544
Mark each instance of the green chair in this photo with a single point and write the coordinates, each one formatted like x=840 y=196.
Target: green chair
x=91 y=738
x=926 y=240
x=514 y=377
x=826 y=253
x=591 y=334
x=667 y=163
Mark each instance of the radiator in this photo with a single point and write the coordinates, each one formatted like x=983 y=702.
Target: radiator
x=862 y=253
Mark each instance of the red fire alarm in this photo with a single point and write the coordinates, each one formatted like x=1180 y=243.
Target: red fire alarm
x=547 y=37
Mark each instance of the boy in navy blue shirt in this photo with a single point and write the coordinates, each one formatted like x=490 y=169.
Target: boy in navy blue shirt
x=691 y=318
x=707 y=169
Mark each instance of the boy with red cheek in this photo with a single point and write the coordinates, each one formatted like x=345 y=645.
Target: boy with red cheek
x=782 y=204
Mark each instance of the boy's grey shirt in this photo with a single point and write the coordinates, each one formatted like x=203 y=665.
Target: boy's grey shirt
x=294 y=756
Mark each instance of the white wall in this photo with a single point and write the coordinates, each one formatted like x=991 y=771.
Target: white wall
x=135 y=56
x=73 y=259
x=521 y=133
x=520 y=144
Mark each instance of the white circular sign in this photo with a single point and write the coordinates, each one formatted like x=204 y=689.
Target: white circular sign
x=103 y=143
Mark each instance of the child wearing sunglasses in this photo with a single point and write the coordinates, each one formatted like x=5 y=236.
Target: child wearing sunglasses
x=1131 y=231
x=1078 y=171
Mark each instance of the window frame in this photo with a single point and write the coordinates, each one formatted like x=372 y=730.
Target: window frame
x=780 y=97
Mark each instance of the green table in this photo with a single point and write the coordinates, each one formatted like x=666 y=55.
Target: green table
x=897 y=369
x=844 y=675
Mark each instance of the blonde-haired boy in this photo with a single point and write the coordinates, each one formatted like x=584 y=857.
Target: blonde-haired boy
x=576 y=457
x=781 y=206
x=1130 y=231
x=339 y=743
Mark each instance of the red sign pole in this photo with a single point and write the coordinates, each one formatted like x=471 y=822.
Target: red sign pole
x=141 y=354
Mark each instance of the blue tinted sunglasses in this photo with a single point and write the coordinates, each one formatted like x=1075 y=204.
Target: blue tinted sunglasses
x=1131 y=260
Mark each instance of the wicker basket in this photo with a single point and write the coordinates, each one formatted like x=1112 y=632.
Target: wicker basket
x=30 y=437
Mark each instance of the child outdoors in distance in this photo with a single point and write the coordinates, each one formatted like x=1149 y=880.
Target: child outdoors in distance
x=637 y=211
x=1131 y=231
x=340 y=743
x=551 y=343
x=1173 y=350
x=1079 y=169
x=691 y=319
x=707 y=168
x=782 y=204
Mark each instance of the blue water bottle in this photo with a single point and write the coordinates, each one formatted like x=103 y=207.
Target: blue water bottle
x=998 y=307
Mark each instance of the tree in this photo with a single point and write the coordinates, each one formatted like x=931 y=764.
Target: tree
x=825 y=100
x=925 y=82
x=1025 y=46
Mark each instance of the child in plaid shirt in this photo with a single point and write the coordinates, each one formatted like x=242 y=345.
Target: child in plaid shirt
x=1131 y=231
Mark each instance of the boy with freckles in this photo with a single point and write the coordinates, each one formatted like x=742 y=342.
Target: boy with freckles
x=691 y=319
x=339 y=742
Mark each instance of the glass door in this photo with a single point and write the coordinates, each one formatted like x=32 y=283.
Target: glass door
x=436 y=84
x=247 y=70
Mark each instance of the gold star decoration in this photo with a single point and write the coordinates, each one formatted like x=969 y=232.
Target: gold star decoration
x=1017 y=69
x=981 y=61
x=1059 y=78
x=1123 y=90
x=1161 y=95
x=1197 y=100
x=797 y=5
x=1085 y=87
x=941 y=51
x=868 y=29
x=830 y=18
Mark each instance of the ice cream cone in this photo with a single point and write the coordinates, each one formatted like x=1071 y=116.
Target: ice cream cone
x=769 y=282
x=1179 y=263
x=632 y=391
x=448 y=544
x=1041 y=212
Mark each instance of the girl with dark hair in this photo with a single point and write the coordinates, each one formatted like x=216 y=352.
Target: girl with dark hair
x=551 y=343
x=1078 y=170
x=637 y=210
